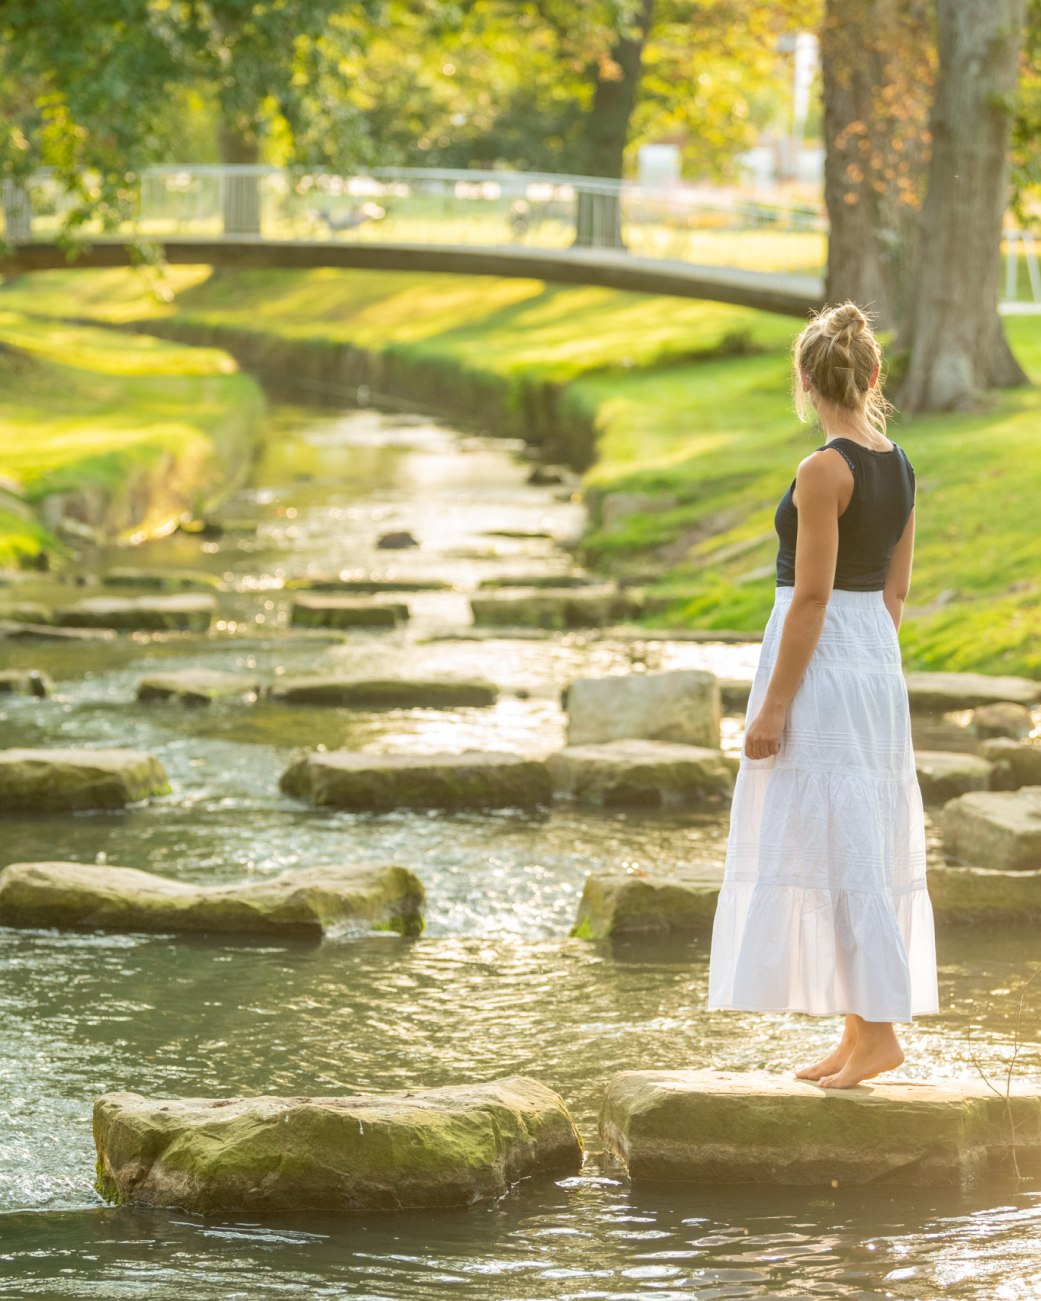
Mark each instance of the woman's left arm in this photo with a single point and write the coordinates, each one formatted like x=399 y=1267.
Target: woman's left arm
x=822 y=490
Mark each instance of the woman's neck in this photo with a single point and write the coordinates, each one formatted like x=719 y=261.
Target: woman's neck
x=858 y=430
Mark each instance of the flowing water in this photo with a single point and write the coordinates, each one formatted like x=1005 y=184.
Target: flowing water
x=494 y=986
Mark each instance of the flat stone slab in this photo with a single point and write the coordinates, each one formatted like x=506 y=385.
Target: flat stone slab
x=677 y=705
x=197 y=686
x=377 y=783
x=25 y=682
x=970 y=895
x=1014 y=763
x=940 y=692
x=425 y=1148
x=182 y=613
x=65 y=781
x=642 y=774
x=78 y=896
x=375 y=693
x=712 y=1127
x=539 y=581
x=997 y=829
x=1002 y=719
x=617 y=904
x=346 y=612
x=171 y=580
x=366 y=586
x=47 y=632
x=943 y=775
x=27 y=612
x=555 y=608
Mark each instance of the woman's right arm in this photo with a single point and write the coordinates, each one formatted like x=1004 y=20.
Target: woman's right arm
x=898 y=578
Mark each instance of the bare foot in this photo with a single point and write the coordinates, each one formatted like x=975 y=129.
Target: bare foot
x=867 y=1060
x=829 y=1065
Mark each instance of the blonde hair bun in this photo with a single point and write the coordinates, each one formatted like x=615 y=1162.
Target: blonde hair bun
x=838 y=355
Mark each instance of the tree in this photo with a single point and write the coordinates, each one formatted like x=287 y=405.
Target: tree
x=878 y=67
x=954 y=334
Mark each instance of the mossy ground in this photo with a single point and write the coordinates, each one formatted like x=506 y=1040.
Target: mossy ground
x=690 y=403
x=97 y=412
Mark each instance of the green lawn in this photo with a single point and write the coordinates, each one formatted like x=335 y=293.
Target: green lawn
x=691 y=404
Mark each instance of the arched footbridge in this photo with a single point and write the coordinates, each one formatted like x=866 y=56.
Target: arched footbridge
x=676 y=240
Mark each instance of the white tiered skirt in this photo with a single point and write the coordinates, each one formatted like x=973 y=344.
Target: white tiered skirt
x=824 y=907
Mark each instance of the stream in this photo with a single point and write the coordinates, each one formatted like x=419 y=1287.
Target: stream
x=494 y=986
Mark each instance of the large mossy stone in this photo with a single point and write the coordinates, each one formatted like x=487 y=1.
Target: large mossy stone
x=940 y=692
x=346 y=612
x=555 y=608
x=970 y=895
x=181 y=613
x=642 y=774
x=997 y=829
x=360 y=693
x=65 y=781
x=1015 y=763
x=708 y=1128
x=1002 y=719
x=377 y=783
x=618 y=904
x=78 y=896
x=943 y=775
x=427 y=1148
x=197 y=686
x=25 y=682
x=678 y=705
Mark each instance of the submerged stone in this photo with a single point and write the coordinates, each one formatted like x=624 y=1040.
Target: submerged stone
x=64 y=781
x=197 y=686
x=346 y=612
x=943 y=775
x=362 y=693
x=25 y=682
x=1015 y=763
x=642 y=774
x=978 y=894
x=708 y=1128
x=77 y=896
x=583 y=607
x=940 y=692
x=182 y=613
x=616 y=904
x=378 y=783
x=424 y=1148
x=678 y=705
x=1000 y=829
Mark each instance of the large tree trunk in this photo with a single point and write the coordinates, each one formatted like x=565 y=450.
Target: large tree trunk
x=240 y=195
x=876 y=66
x=601 y=149
x=955 y=336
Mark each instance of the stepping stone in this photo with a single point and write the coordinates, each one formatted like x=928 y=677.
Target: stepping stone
x=554 y=608
x=559 y=581
x=943 y=775
x=346 y=612
x=28 y=612
x=1002 y=719
x=378 y=783
x=942 y=692
x=197 y=686
x=46 y=632
x=168 y=579
x=187 y=613
x=366 y=586
x=25 y=682
x=616 y=904
x=998 y=829
x=348 y=693
x=733 y=695
x=63 y=781
x=1014 y=763
x=711 y=1127
x=679 y=705
x=642 y=774
x=77 y=896
x=424 y=1148
x=966 y=895
x=399 y=540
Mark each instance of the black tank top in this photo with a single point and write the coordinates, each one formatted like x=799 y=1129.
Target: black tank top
x=870 y=526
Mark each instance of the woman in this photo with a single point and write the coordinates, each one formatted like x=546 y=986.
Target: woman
x=824 y=907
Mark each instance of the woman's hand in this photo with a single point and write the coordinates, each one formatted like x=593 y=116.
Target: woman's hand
x=763 y=734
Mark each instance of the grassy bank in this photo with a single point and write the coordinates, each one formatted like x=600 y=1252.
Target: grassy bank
x=119 y=433
x=688 y=402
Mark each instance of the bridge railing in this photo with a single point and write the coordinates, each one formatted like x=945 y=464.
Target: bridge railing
x=430 y=206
